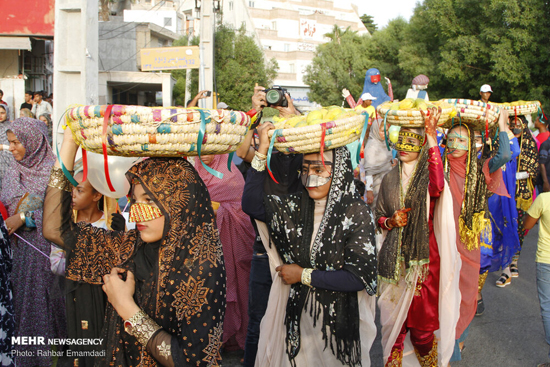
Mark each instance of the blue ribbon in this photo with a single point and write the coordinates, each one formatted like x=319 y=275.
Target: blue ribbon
x=202 y=130
x=63 y=168
x=275 y=134
x=229 y=160
x=363 y=133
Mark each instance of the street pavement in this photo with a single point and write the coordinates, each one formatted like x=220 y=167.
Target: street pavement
x=509 y=333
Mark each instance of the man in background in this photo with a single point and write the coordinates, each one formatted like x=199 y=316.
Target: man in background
x=485 y=92
x=40 y=106
x=28 y=101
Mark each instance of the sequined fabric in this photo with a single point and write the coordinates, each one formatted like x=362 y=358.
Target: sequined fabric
x=345 y=240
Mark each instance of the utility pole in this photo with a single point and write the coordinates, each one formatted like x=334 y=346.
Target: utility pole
x=75 y=78
x=206 y=70
x=190 y=35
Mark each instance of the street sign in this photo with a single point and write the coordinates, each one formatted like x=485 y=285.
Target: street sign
x=170 y=58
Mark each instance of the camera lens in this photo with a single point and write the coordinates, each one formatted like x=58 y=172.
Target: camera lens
x=272 y=96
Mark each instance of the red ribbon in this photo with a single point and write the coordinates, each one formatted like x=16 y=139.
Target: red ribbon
x=84 y=165
x=271 y=175
x=487 y=122
x=104 y=146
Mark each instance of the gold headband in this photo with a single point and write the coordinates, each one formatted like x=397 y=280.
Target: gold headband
x=408 y=147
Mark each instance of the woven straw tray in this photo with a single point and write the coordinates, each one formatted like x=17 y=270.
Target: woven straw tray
x=476 y=114
x=412 y=117
x=523 y=107
x=307 y=139
x=136 y=131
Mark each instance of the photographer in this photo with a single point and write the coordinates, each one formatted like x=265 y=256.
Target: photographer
x=201 y=95
x=286 y=168
x=246 y=151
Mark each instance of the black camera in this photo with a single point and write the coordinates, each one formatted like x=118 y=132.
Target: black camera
x=275 y=96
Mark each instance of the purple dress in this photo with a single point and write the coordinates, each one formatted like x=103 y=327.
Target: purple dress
x=39 y=310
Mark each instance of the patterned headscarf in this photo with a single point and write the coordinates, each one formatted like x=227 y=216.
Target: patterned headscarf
x=180 y=280
x=31 y=174
x=410 y=244
x=528 y=161
x=345 y=240
x=473 y=219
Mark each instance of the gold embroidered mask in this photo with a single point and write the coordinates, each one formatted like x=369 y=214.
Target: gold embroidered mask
x=140 y=212
x=403 y=146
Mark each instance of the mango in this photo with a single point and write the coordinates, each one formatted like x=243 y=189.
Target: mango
x=420 y=103
x=333 y=112
x=314 y=115
x=406 y=104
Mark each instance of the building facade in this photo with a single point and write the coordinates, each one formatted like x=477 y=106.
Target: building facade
x=290 y=31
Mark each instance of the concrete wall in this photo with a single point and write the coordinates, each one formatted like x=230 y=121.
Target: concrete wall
x=158 y=17
x=117 y=45
x=9 y=63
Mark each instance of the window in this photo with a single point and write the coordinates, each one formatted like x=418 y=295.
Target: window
x=292 y=70
x=274 y=26
x=231 y=5
x=287 y=47
x=167 y=22
x=251 y=4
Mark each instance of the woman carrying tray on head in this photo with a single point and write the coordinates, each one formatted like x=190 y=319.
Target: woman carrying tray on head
x=499 y=247
x=319 y=311
x=418 y=262
x=527 y=164
x=471 y=181
x=165 y=281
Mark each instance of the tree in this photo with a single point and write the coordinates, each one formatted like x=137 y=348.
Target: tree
x=466 y=43
x=239 y=64
x=368 y=21
x=340 y=63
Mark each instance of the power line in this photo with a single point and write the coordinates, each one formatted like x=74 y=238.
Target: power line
x=131 y=23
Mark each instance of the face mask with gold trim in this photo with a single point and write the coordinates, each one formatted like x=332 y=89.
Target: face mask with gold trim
x=403 y=146
x=454 y=141
x=143 y=213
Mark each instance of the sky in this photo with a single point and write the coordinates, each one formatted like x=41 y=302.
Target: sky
x=386 y=10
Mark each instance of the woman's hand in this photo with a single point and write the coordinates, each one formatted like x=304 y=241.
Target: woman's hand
x=291 y=273
x=399 y=218
x=503 y=120
x=68 y=150
x=264 y=138
x=370 y=197
x=430 y=123
x=120 y=292
x=13 y=223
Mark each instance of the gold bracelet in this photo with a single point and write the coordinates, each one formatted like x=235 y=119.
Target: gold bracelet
x=258 y=164
x=387 y=225
x=141 y=326
x=59 y=181
x=22 y=216
x=306 y=276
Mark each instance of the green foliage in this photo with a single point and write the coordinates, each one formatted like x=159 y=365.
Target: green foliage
x=179 y=75
x=458 y=44
x=239 y=64
x=336 y=65
x=368 y=21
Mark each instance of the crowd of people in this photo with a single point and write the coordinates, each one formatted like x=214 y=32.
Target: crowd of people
x=288 y=264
